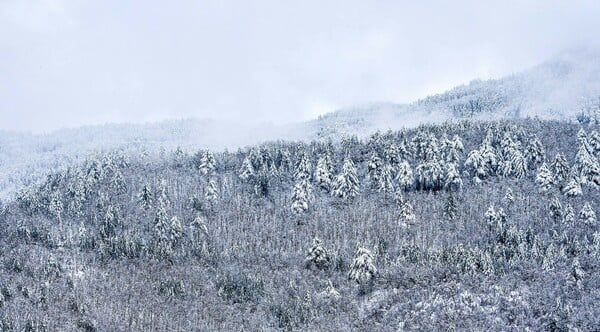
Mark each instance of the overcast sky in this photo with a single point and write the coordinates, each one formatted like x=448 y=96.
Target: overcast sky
x=70 y=63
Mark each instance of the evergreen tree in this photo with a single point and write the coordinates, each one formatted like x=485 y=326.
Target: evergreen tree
x=535 y=152
x=385 y=179
x=362 y=269
x=586 y=165
x=207 y=163
x=476 y=164
x=453 y=180
x=146 y=197
x=247 y=170
x=299 y=198
x=405 y=175
x=509 y=198
x=560 y=169
x=212 y=194
x=587 y=214
x=317 y=256
x=556 y=209
x=576 y=273
x=346 y=184
x=450 y=207
x=544 y=178
x=323 y=173
x=569 y=214
x=374 y=170
x=573 y=188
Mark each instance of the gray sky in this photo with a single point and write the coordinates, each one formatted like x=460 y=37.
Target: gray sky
x=70 y=63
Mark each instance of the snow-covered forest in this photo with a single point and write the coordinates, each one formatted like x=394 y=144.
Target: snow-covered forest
x=469 y=225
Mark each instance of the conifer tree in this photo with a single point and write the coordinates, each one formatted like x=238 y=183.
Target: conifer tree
x=569 y=214
x=374 y=169
x=299 y=198
x=362 y=269
x=476 y=164
x=544 y=178
x=453 y=180
x=535 y=152
x=450 y=207
x=560 y=169
x=207 y=163
x=212 y=194
x=247 y=170
x=572 y=188
x=323 y=173
x=317 y=256
x=146 y=197
x=346 y=184
x=385 y=179
x=556 y=209
x=405 y=175
x=587 y=214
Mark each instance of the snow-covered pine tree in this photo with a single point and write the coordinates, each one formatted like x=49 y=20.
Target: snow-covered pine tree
x=303 y=166
x=211 y=194
x=317 y=256
x=405 y=175
x=569 y=216
x=374 y=169
x=207 y=163
x=544 y=178
x=299 y=198
x=572 y=188
x=586 y=166
x=556 y=209
x=519 y=164
x=146 y=197
x=323 y=173
x=587 y=214
x=385 y=184
x=346 y=184
x=509 y=198
x=246 y=170
x=535 y=152
x=362 y=269
x=576 y=273
x=450 y=207
x=453 y=180
x=560 y=169
x=407 y=216
x=476 y=164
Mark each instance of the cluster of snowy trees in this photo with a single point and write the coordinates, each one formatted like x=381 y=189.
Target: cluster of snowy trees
x=294 y=227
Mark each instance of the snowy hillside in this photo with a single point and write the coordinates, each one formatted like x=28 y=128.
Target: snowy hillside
x=562 y=88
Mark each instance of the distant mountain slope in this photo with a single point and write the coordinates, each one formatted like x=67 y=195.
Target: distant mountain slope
x=559 y=89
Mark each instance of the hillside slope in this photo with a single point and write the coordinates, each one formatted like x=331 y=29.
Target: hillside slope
x=466 y=226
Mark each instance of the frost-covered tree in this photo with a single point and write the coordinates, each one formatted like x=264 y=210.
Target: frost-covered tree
x=556 y=209
x=146 y=197
x=576 y=273
x=299 y=198
x=519 y=164
x=324 y=173
x=317 y=256
x=55 y=207
x=303 y=166
x=246 y=170
x=362 y=269
x=587 y=214
x=535 y=152
x=374 y=169
x=569 y=214
x=586 y=166
x=450 y=207
x=550 y=256
x=207 y=163
x=385 y=184
x=572 y=188
x=405 y=175
x=509 y=197
x=560 y=169
x=211 y=194
x=346 y=184
x=544 y=178
x=476 y=164
x=453 y=180
x=407 y=216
